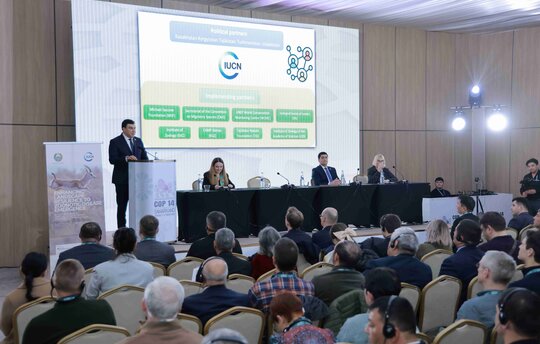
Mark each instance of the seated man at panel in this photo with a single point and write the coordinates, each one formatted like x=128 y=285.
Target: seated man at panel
x=204 y=247
x=391 y=320
x=401 y=257
x=224 y=244
x=462 y=264
x=293 y=221
x=494 y=231
x=495 y=270
x=529 y=254
x=465 y=206
x=520 y=212
x=324 y=174
x=379 y=282
x=518 y=316
x=343 y=277
x=71 y=312
x=215 y=298
x=149 y=249
x=162 y=301
x=329 y=217
x=389 y=223
x=439 y=190
x=285 y=256
x=90 y=253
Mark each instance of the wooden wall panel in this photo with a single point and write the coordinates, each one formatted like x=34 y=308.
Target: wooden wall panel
x=65 y=134
x=496 y=68
x=524 y=145
x=185 y=6
x=411 y=155
x=440 y=158
x=65 y=94
x=463 y=160
x=498 y=161
x=410 y=79
x=379 y=102
x=6 y=63
x=467 y=66
x=375 y=142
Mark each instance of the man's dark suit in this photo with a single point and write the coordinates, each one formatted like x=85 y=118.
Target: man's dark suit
x=374 y=176
x=204 y=247
x=377 y=245
x=521 y=221
x=462 y=265
x=151 y=250
x=408 y=268
x=118 y=151
x=235 y=265
x=305 y=244
x=466 y=216
x=531 y=280
x=212 y=301
x=89 y=254
x=319 y=176
x=322 y=238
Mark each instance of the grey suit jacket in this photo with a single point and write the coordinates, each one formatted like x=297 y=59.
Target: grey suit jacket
x=154 y=251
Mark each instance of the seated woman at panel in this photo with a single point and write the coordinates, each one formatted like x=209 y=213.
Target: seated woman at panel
x=125 y=268
x=35 y=285
x=216 y=177
x=437 y=237
x=261 y=262
x=378 y=173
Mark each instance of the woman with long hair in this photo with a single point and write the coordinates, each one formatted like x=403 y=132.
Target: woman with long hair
x=437 y=237
x=216 y=176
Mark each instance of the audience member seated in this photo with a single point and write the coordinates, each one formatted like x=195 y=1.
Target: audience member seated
x=261 y=262
x=495 y=271
x=462 y=264
x=465 y=206
x=437 y=238
x=285 y=256
x=494 y=231
x=162 y=301
x=379 y=282
x=391 y=320
x=389 y=223
x=125 y=268
x=439 y=190
x=337 y=234
x=71 y=312
x=224 y=336
x=329 y=217
x=293 y=221
x=204 y=247
x=401 y=250
x=215 y=298
x=149 y=249
x=343 y=277
x=223 y=245
x=90 y=253
x=536 y=220
x=529 y=254
x=292 y=326
x=520 y=212
x=34 y=286
x=518 y=316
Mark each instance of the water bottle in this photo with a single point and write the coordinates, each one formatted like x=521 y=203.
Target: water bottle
x=262 y=184
x=343 y=180
x=199 y=183
x=302 y=180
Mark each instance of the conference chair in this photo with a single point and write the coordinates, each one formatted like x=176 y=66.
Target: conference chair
x=96 y=333
x=523 y=232
x=462 y=332
x=159 y=270
x=495 y=338
x=190 y=322
x=315 y=270
x=195 y=185
x=241 y=256
x=412 y=294
x=301 y=263
x=329 y=257
x=266 y=275
x=183 y=269
x=474 y=288
x=518 y=274
x=255 y=182
x=438 y=303
x=424 y=337
x=248 y=321
x=512 y=232
x=191 y=287
x=27 y=312
x=360 y=179
x=434 y=259
x=240 y=283
x=125 y=302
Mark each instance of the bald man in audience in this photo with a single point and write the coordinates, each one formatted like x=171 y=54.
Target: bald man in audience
x=329 y=217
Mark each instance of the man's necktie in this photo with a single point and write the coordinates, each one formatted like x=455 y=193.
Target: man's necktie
x=131 y=146
x=327 y=174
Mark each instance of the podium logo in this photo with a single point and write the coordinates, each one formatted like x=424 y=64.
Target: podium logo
x=88 y=156
x=57 y=157
x=229 y=65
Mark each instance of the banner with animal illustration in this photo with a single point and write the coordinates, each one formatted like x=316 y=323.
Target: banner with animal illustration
x=74 y=191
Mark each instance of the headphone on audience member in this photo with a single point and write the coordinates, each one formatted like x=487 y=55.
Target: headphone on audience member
x=81 y=287
x=393 y=242
x=502 y=316
x=206 y=262
x=389 y=330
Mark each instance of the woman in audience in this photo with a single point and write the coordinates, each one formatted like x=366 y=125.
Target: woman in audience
x=125 y=268
x=437 y=237
x=261 y=262
x=35 y=285
x=216 y=177
x=292 y=326
x=337 y=228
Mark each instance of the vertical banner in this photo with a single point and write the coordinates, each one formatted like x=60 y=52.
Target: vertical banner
x=74 y=191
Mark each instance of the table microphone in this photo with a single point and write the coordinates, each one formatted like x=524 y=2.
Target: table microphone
x=402 y=175
x=282 y=176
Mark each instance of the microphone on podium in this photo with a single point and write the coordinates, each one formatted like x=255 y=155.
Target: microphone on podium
x=288 y=185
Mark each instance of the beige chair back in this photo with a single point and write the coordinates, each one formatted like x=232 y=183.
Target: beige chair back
x=87 y=277
x=518 y=274
x=360 y=179
x=301 y=263
x=248 y=321
x=125 y=301
x=412 y=294
x=27 y=312
x=97 y=333
x=434 y=259
x=159 y=270
x=438 y=303
x=424 y=337
x=329 y=257
x=266 y=275
x=462 y=332
x=241 y=256
x=195 y=185
x=523 y=232
x=190 y=322
x=495 y=338
x=183 y=269
x=240 y=283
x=255 y=182
x=191 y=288
x=474 y=288
x=316 y=269
x=512 y=232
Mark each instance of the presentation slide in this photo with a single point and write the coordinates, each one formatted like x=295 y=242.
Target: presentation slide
x=208 y=83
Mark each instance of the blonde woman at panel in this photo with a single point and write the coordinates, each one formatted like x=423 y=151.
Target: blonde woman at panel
x=378 y=173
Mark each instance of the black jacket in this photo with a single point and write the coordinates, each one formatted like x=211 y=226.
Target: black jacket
x=374 y=176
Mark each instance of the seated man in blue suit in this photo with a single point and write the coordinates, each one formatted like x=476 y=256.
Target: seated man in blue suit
x=401 y=257
x=329 y=217
x=215 y=298
x=324 y=174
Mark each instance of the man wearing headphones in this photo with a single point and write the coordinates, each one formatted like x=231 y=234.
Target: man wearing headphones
x=71 y=311
x=518 y=316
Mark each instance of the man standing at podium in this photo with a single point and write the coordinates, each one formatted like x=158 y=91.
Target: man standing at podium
x=123 y=148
